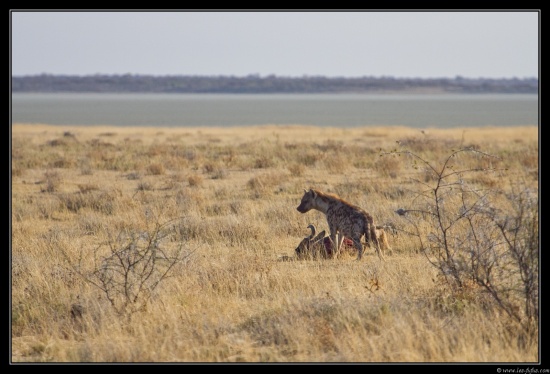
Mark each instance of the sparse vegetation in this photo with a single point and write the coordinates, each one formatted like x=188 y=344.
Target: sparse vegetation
x=130 y=265
x=169 y=245
x=472 y=234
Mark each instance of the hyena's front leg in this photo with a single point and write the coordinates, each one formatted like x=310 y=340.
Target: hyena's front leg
x=340 y=239
x=333 y=242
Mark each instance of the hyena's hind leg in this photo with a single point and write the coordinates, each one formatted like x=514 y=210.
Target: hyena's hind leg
x=357 y=244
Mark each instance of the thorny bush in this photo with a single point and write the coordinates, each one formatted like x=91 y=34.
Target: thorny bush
x=470 y=233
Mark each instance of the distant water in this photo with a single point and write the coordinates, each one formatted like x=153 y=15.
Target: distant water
x=335 y=110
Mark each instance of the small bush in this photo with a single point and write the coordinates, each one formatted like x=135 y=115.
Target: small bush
x=16 y=171
x=264 y=162
x=84 y=188
x=264 y=184
x=145 y=186
x=337 y=163
x=296 y=170
x=102 y=202
x=195 y=180
x=133 y=176
x=156 y=169
x=388 y=165
x=52 y=181
x=129 y=267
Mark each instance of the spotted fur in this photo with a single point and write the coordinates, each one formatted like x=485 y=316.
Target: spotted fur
x=344 y=220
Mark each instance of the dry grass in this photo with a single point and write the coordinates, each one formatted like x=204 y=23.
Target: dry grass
x=234 y=193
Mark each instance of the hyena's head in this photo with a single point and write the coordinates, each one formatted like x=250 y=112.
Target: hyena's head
x=308 y=201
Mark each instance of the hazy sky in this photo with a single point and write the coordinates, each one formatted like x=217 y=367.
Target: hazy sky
x=474 y=44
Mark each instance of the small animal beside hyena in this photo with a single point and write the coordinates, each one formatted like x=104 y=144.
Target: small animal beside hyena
x=344 y=219
x=320 y=246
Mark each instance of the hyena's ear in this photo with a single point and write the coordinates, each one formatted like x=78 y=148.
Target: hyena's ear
x=313 y=193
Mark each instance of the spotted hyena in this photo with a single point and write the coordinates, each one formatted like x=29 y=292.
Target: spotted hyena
x=344 y=219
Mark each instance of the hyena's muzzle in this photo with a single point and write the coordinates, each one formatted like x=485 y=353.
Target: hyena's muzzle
x=302 y=209
x=306 y=202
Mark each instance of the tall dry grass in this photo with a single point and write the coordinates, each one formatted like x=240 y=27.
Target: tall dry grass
x=227 y=199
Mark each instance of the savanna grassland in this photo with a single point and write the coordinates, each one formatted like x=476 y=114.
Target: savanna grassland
x=177 y=245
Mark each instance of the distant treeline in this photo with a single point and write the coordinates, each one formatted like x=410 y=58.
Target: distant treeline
x=268 y=84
